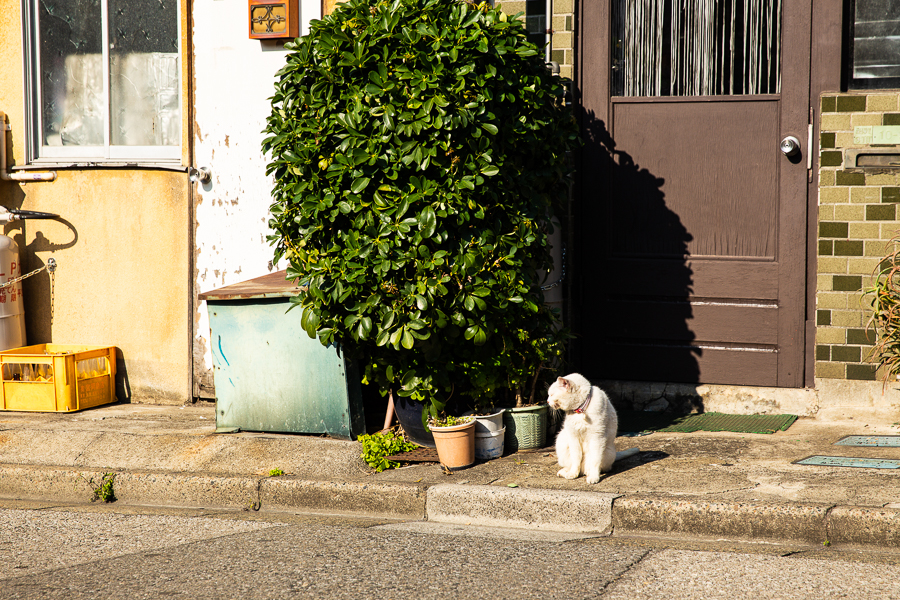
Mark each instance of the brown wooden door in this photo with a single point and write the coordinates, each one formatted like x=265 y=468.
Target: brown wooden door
x=692 y=222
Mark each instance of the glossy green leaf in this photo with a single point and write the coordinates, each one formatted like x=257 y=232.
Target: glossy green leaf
x=407 y=340
x=359 y=184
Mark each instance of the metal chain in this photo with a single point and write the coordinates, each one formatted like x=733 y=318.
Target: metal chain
x=51 y=268
x=18 y=279
x=562 y=276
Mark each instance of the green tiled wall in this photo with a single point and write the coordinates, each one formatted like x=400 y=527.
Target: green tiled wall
x=857 y=217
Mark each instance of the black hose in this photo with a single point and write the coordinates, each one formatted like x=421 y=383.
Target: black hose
x=32 y=214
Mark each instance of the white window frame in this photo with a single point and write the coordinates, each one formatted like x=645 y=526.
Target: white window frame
x=108 y=153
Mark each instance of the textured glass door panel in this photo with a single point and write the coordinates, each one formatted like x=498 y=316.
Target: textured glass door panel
x=696 y=47
x=71 y=73
x=876 y=39
x=145 y=103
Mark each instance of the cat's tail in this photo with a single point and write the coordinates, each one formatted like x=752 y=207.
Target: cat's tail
x=623 y=454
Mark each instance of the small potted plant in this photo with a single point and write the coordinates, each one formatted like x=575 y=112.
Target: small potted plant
x=526 y=420
x=490 y=432
x=454 y=438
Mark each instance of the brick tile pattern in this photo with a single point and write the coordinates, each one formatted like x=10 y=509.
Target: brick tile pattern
x=562 y=24
x=857 y=217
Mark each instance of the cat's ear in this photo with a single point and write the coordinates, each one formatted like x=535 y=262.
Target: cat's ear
x=563 y=382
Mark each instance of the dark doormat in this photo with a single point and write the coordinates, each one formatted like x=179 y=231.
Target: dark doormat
x=634 y=421
x=846 y=461
x=417 y=455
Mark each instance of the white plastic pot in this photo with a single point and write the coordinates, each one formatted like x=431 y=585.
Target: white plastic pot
x=489 y=445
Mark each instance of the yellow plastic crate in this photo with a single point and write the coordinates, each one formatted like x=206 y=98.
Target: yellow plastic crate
x=57 y=377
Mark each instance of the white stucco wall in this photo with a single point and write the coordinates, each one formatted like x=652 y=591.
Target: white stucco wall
x=233 y=78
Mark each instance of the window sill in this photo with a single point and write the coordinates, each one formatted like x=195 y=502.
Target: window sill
x=56 y=164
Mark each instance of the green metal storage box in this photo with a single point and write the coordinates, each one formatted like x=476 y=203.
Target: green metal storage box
x=269 y=375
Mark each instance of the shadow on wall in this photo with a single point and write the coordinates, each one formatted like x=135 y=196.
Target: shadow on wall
x=123 y=387
x=635 y=281
x=37 y=290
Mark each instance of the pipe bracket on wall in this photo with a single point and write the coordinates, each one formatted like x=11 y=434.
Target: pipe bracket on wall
x=21 y=177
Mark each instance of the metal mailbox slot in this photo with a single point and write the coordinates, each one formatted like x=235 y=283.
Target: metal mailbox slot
x=872 y=158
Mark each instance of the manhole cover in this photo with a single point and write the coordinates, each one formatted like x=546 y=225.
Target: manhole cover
x=876 y=441
x=844 y=461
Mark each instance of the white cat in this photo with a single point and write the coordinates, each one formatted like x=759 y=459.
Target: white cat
x=586 y=443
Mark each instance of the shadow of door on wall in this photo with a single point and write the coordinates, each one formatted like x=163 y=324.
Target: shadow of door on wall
x=636 y=281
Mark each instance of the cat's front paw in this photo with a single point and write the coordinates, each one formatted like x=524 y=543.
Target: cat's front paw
x=567 y=474
x=593 y=478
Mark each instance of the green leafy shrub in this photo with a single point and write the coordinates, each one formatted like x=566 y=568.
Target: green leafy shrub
x=378 y=445
x=419 y=148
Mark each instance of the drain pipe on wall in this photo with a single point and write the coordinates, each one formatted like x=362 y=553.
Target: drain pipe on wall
x=548 y=29
x=20 y=176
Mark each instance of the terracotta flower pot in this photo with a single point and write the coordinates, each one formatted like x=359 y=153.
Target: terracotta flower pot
x=455 y=445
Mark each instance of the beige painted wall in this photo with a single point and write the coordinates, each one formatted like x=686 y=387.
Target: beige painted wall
x=122 y=245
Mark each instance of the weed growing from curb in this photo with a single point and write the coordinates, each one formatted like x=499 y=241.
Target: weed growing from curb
x=103 y=488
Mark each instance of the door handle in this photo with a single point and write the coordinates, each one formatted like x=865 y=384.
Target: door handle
x=202 y=175
x=790 y=146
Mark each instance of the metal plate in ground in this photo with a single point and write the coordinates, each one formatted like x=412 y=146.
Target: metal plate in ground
x=417 y=455
x=846 y=461
x=874 y=441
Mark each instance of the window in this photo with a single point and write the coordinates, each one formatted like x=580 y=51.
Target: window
x=696 y=47
x=875 y=44
x=105 y=80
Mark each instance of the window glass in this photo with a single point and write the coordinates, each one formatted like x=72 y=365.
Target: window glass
x=144 y=101
x=876 y=44
x=107 y=79
x=71 y=73
x=696 y=47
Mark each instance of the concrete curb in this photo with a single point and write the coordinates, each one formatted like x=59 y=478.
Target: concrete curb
x=394 y=500
x=742 y=520
x=494 y=506
x=810 y=523
x=557 y=510
x=67 y=484
x=863 y=525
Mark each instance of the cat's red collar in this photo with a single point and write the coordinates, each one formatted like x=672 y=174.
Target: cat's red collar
x=587 y=401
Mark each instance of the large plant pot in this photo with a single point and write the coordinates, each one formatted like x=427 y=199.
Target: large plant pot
x=455 y=445
x=526 y=427
x=409 y=413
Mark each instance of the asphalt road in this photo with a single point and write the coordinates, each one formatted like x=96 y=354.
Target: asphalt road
x=109 y=551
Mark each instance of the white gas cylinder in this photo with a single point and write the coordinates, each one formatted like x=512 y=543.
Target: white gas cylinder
x=12 y=309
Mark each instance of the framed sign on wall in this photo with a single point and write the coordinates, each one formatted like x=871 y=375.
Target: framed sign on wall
x=274 y=20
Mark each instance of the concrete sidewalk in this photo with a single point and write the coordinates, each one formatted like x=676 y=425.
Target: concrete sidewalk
x=707 y=485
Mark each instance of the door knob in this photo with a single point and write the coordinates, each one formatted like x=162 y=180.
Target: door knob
x=202 y=175
x=790 y=146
